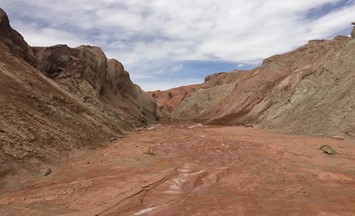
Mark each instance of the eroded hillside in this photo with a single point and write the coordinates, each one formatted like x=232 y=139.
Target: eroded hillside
x=55 y=99
x=307 y=91
x=59 y=104
x=168 y=100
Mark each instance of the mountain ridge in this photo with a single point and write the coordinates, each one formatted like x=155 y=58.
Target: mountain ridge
x=57 y=99
x=305 y=91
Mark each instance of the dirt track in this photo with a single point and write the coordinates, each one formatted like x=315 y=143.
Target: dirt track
x=177 y=170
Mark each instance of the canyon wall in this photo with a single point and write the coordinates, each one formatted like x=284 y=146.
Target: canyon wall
x=56 y=99
x=307 y=91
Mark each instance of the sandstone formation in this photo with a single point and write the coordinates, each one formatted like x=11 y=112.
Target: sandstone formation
x=59 y=104
x=168 y=100
x=307 y=91
x=56 y=99
x=101 y=83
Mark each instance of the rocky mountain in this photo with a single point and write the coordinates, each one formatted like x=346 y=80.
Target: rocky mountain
x=55 y=99
x=14 y=41
x=307 y=91
x=168 y=100
x=100 y=83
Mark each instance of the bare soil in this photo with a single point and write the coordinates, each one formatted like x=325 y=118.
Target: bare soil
x=185 y=170
x=306 y=91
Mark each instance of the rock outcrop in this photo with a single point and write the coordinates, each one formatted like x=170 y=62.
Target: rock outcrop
x=87 y=74
x=353 y=31
x=56 y=99
x=14 y=40
x=168 y=100
x=306 y=91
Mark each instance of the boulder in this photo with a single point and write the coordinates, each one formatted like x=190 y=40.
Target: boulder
x=338 y=137
x=327 y=149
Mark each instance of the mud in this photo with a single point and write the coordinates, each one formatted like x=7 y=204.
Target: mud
x=184 y=170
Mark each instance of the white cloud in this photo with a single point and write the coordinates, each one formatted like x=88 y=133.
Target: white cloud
x=148 y=36
x=241 y=65
x=332 y=22
x=39 y=36
x=165 y=85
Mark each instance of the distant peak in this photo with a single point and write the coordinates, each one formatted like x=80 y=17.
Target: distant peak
x=2 y=13
x=4 y=21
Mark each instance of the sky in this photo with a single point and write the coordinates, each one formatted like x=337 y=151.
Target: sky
x=165 y=44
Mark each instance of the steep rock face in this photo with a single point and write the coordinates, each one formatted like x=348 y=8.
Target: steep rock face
x=103 y=84
x=309 y=90
x=168 y=100
x=39 y=121
x=14 y=40
x=56 y=99
x=127 y=97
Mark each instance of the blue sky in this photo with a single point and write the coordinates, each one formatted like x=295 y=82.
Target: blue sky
x=164 y=44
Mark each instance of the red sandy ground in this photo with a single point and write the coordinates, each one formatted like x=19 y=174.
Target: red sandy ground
x=177 y=170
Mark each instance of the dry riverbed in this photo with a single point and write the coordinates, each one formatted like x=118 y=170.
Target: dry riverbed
x=201 y=170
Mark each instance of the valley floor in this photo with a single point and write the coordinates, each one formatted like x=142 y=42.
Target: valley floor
x=198 y=170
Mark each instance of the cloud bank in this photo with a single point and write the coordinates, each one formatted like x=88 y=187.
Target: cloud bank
x=164 y=43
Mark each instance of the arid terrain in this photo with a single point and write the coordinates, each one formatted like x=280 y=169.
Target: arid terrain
x=306 y=91
x=168 y=100
x=56 y=99
x=194 y=170
x=78 y=137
